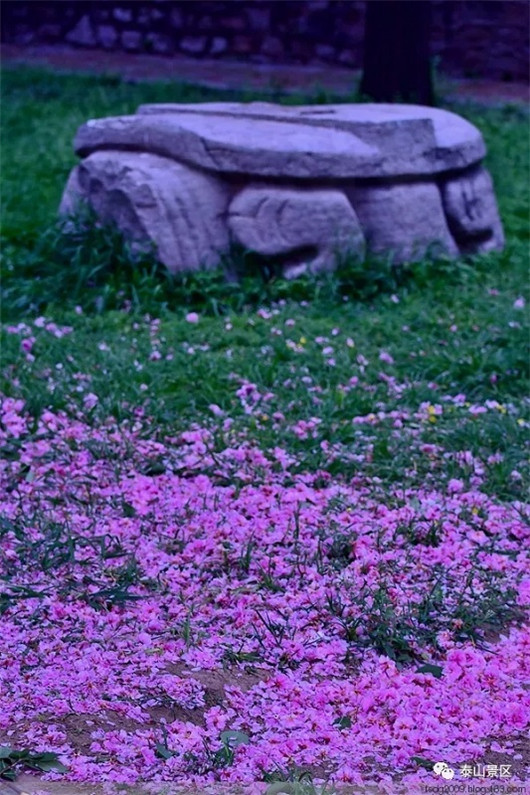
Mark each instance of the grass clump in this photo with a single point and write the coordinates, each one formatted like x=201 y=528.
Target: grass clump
x=80 y=262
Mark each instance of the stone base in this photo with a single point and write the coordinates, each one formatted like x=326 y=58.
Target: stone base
x=471 y=210
x=302 y=185
x=156 y=201
x=305 y=228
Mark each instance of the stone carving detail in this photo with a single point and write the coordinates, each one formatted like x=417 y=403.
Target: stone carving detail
x=300 y=184
x=155 y=200
x=471 y=210
x=405 y=220
x=307 y=227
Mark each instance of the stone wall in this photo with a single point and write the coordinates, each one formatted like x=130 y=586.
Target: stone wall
x=471 y=39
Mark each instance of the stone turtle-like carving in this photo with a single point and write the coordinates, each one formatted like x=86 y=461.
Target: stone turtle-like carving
x=295 y=224
x=301 y=184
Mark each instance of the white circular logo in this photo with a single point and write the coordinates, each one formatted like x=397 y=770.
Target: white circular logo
x=439 y=767
x=448 y=773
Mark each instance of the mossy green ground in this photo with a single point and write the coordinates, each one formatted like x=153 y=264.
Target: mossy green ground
x=435 y=329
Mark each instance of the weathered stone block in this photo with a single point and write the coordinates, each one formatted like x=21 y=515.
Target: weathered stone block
x=154 y=200
x=193 y=44
x=23 y=35
x=144 y=16
x=337 y=141
x=471 y=210
x=106 y=36
x=303 y=227
x=82 y=33
x=325 y=51
x=122 y=14
x=406 y=221
x=218 y=45
x=300 y=184
x=131 y=40
x=157 y=14
x=159 y=43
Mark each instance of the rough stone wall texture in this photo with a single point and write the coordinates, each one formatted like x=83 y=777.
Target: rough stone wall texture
x=469 y=38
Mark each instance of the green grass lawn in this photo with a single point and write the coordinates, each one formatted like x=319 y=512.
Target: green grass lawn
x=409 y=339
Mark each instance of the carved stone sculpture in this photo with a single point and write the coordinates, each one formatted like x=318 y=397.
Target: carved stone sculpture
x=300 y=184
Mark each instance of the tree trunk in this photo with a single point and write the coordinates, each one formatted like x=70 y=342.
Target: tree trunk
x=396 y=52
